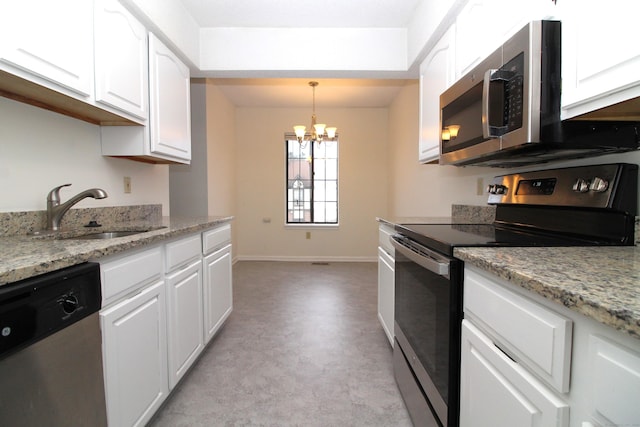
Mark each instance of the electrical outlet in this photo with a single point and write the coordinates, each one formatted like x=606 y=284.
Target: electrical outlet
x=127 y=184
x=480 y=187
x=308 y=235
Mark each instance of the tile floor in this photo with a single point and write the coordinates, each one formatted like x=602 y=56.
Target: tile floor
x=303 y=347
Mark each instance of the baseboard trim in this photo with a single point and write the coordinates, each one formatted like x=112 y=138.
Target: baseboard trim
x=305 y=258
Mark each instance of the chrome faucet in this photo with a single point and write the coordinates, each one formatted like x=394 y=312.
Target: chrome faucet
x=55 y=210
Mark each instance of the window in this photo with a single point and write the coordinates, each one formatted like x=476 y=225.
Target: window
x=312 y=182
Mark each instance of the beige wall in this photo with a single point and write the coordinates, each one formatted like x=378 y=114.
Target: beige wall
x=260 y=170
x=424 y=190
x=40 y=149
x=221 y=153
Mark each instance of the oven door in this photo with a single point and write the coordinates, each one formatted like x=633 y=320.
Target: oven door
x=428 y=316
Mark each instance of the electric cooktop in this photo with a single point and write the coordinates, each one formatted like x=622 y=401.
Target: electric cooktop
x=591 y=205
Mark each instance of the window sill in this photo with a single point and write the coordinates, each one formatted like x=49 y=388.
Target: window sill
x=312 y=226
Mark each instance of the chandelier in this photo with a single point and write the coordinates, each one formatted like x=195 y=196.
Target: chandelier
x=319 y=131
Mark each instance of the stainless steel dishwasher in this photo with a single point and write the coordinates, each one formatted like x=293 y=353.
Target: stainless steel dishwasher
x=51 y=351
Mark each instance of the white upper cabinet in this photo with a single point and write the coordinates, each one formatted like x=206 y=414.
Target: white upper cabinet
x=483 y=25
x=122 y=71
x=167 y=136
x=170 y=105
x=600 y=54
x=437 y=73
x=54 y=46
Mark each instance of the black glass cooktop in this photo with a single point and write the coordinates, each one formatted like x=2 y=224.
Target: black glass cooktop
x=444 y=237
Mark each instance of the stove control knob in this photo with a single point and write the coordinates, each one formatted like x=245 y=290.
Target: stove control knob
x=581 y=185
x=599 y=185
x=501 y=189
x=491 y=189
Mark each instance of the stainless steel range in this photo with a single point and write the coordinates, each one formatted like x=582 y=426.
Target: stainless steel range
x=581 y=206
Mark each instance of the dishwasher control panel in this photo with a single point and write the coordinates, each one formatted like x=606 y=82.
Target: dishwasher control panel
x=35 y=308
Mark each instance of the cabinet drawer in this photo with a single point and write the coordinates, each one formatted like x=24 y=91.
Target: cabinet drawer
x=182 y=251
x=384 y=234
x=498 y=392
x=128 y=273
x=530 y=333
x=216 y=238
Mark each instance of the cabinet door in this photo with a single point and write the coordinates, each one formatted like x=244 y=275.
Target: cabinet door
x=483 y=25
x=614 y=384
x=134 y=343
x=546 y=347
x=169 y=87
x=472 y=39
x=185 y=321
x=497 y=392
x=436 y=74
x=600 y=54
x=386 y=290
x=121 y=59
x=51 y=40
x=218 y=290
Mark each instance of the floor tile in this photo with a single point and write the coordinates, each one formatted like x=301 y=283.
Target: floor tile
x=303 y=347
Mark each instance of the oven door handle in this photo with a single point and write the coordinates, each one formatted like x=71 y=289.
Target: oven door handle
x=421 y=255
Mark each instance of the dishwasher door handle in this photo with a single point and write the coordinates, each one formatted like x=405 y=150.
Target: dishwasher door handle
x=421 y=255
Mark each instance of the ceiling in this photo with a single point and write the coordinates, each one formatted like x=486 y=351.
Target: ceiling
x=330 y=93
x=302 y=13
x=295 y=92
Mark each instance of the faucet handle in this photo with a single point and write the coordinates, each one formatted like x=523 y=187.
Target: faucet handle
x=54 y=195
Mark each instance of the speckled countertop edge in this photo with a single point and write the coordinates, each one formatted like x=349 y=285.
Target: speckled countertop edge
x=602 y=283
x=26 y=256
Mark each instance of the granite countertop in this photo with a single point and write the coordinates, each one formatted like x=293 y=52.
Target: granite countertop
x=23 y=256
x=460 y=214
x=393 y=221
x=602 y=283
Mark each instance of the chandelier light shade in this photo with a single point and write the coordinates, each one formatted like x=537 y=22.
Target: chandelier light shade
x=318 y=131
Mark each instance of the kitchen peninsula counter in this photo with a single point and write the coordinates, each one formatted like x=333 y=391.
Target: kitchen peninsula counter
x=602 y=283
x=24 y=256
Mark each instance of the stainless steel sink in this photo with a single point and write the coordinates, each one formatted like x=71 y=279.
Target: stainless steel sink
x=106 y=235
x=88 y=235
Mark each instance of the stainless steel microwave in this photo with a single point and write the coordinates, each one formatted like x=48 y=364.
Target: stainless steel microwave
x=506 y=111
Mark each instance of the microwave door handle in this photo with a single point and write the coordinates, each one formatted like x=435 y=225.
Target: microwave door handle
x=492 y=75
x=486 y=129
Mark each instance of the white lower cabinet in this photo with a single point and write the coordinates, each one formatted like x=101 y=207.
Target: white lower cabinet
x=614 y=390
x=528 y=361
x=134 y=338
x=185 y=322
x=498 y=392
x=159 y=308
x=218 y=296
x=386 y=289
x=386 y=281
x=515 y=358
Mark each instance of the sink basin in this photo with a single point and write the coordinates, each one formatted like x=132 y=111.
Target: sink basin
x=106 y=235
x=87 y=235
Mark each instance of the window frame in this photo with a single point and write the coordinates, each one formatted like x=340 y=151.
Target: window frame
x=290 y=137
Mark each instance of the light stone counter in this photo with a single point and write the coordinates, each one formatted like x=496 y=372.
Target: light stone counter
x=602 y=283
x=23 y=256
